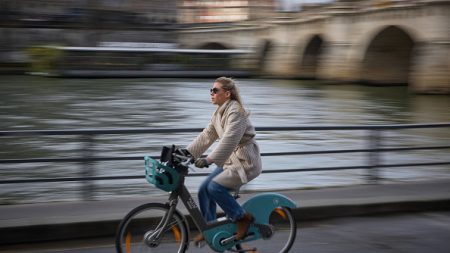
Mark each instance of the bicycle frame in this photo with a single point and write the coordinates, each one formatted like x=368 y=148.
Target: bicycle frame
x=191 y=205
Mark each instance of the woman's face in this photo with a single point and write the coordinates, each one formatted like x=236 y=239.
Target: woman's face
x=219 y=95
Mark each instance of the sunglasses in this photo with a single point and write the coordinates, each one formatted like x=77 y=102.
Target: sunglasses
x=214 y=90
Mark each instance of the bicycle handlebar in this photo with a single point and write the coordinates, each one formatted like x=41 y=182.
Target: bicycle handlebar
x=184 y=160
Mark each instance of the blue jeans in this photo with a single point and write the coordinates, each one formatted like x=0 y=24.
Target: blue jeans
x=212 y=194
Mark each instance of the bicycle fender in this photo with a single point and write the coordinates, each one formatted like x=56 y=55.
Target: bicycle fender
x=262 y=205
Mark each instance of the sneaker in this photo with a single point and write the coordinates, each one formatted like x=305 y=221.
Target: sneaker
x=242 y=226
x=199 y=240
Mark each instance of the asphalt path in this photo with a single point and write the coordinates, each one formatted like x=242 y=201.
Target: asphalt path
x=410 y=232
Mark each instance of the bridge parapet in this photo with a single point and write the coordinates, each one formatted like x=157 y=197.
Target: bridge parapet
x=380 y=42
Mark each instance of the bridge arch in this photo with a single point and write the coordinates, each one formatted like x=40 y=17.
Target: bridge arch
x=213 y=45
x=265 y=49
x=310 y=56
x=388 y=56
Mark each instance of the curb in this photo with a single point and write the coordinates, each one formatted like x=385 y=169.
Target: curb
x=90 y=229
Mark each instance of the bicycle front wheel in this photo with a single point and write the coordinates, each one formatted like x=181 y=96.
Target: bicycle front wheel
x=142 y=231
x=284 y=232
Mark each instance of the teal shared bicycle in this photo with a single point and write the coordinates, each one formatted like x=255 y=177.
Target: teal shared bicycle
x=161 y=227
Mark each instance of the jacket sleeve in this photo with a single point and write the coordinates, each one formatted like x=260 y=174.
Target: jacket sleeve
x=234 y=129
x=203 y=141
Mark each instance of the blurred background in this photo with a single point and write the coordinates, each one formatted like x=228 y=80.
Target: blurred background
x=126 y=64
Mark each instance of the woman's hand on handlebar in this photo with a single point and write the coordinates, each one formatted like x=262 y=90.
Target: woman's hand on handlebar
x=202 y=163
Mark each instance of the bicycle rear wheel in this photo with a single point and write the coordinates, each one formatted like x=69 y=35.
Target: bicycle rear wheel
x=138 y=231
x=283 y=237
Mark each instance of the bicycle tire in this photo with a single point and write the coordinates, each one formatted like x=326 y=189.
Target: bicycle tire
x=283 y=237
x=135 y=231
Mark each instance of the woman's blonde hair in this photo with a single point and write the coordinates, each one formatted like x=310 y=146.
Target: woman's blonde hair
x=230 y=85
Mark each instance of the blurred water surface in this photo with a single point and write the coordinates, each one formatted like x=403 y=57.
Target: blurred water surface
x=29 y=102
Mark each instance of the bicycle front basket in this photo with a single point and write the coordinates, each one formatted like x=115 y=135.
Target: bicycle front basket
x=163 y=177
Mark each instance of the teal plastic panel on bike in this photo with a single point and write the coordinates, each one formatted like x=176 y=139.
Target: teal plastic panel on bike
x=215 y=235
x=163 y=177
x=262 y=205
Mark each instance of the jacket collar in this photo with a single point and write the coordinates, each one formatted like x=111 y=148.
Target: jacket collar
x=221 y=109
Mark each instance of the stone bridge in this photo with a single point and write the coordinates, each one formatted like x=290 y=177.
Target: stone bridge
x=392 y=42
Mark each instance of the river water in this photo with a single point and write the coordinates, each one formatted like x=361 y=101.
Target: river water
x=29 y=103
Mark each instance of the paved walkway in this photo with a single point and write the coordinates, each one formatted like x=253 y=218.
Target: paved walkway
x=67 y=220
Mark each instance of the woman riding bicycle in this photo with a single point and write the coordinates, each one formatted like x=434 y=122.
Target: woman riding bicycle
x=237 y=156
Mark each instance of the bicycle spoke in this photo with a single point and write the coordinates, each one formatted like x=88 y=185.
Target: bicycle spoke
x=128 y=243
x=176 y=232
x=280 y=212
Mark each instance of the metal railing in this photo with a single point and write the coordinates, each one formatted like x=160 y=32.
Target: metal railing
x=374 y=140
